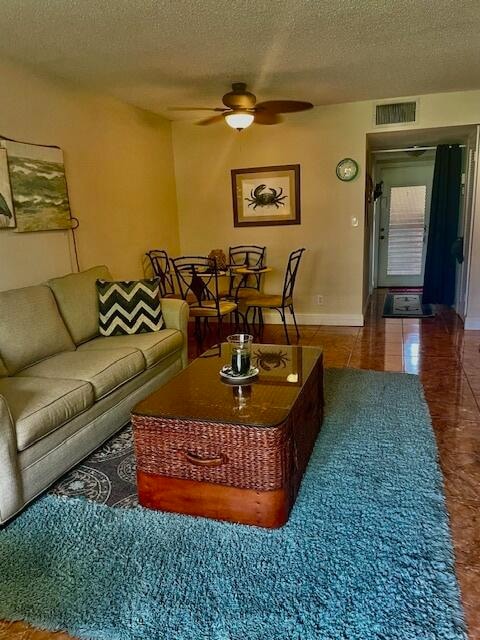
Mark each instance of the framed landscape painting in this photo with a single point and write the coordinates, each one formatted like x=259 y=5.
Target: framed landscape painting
x=7 y=214
x=39 y=187
x=264 y=196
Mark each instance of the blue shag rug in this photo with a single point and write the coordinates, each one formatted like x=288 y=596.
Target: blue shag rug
x=366 y=554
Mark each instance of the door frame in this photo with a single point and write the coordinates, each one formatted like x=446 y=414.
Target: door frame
x=470 y=188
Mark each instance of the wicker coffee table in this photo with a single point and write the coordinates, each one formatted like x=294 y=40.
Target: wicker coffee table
x=208 y=448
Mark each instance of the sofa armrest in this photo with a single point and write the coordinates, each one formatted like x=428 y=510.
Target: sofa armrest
x=175 y=313
x=11 y=494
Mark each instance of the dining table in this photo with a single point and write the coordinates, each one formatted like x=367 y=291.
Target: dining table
x=246 y=272
x=232 y=271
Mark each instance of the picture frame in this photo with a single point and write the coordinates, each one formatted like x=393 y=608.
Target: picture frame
x=38 y=186
x=7 y=211
x=266 y=196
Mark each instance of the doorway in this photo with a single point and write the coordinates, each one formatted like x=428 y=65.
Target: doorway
x=403 y=216
x=397 y=216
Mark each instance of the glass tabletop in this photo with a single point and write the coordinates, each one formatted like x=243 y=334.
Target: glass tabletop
x=251 y=270
x=199 y=393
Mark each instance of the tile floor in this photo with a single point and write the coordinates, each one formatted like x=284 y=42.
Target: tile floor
x=447 y=359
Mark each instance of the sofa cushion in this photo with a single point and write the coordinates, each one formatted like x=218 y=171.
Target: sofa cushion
x=30 y=327
x=104 y=369
x=40 y=405
x=154 y=346
x=129 y=307
x=76 y=297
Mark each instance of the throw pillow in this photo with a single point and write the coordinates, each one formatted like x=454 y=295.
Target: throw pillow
x=128 y=307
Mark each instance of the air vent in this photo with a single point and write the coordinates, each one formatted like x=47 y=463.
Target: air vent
x=395 y=113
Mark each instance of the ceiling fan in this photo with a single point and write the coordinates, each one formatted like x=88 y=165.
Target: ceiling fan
x=241 y=109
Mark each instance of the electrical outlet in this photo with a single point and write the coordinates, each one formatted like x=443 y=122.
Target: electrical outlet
x=319 y=299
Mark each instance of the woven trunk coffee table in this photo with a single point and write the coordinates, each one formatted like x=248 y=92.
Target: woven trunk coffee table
x=208 y=448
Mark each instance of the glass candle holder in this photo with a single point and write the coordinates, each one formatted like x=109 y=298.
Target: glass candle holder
x=241 y=353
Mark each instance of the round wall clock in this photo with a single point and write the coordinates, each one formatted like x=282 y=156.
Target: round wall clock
x=347 y=169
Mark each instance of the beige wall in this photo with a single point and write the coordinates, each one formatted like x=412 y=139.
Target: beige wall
x=317 y=139
x=120 y=172
x=119 y=167
x=449 y=109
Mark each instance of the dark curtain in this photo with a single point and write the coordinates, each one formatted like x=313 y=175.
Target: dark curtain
x=440 y=264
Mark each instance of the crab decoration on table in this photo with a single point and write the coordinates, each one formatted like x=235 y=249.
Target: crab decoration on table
x=263 y=197
x=268 y=360
x=218 y=259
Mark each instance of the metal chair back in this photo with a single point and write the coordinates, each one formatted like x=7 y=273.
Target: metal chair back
x=248 y=255
x=291 y=276
x=160 y=263
x=197 y=278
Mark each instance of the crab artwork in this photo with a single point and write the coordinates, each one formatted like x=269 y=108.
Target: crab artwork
x=263 y=197
x=268 y=360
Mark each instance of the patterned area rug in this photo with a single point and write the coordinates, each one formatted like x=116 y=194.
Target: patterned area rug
x=107 y=476
x=406 y=305
x=365 y=555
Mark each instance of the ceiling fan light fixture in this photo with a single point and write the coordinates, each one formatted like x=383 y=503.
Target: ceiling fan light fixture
x=239 y=119
x=241 y=109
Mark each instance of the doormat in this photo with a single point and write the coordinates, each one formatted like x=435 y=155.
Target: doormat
x=405 y=290
x=406 y=305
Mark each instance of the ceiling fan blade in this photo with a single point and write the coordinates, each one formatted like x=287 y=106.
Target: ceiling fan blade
x=210 y=120
x=196 y=109
x=284 y=106
x=267 y=117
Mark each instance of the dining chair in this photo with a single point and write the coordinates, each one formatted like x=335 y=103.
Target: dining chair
x=245 y=255
x=197 y=280
x=160 y=264
x=284 y=301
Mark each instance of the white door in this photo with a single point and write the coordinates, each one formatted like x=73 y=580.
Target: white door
x=403 y=223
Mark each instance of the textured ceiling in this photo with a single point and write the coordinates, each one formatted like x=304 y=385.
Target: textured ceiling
x=160 y=53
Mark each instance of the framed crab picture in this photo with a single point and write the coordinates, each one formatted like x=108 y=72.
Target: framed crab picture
x=264 y=196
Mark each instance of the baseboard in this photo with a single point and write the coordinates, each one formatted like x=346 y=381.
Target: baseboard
x=472 y=324
x=330 y=319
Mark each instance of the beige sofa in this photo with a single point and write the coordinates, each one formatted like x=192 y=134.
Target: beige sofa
x=64 y=389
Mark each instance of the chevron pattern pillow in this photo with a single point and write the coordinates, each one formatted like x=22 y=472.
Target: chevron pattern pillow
x=128 y=307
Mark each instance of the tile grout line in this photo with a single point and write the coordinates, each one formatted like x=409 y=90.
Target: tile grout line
x=477 y=401
x=457 y=355
x=353 y=347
